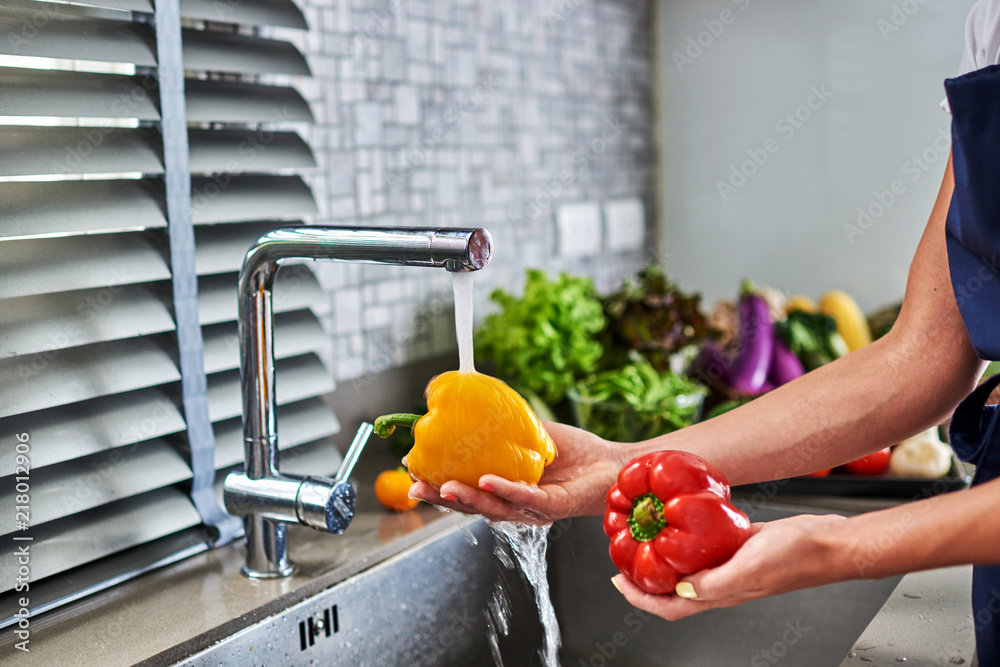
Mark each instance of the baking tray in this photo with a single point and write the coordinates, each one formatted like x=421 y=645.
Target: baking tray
x=859 y=486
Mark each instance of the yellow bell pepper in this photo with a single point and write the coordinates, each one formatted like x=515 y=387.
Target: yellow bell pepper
x=800 y=302
x=475 y=425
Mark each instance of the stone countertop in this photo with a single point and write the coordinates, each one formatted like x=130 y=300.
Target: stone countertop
x=169 y=613
x=927 y=621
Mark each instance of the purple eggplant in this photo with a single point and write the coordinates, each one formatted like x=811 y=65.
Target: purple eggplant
x=712 y=364
x=750 y=368
x=747 y=371
x=785 y=366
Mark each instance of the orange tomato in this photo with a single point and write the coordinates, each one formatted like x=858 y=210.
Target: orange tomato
x=820 y=473
x=391 y=489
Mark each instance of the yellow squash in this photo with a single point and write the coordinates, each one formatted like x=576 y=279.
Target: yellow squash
x=852 y=325
x=475 y=425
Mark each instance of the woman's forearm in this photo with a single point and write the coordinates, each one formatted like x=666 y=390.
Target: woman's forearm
x=951 y=529
x=874 y=397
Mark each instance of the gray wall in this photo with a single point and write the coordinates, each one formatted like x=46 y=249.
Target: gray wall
x=477 y=113
x=880 y=65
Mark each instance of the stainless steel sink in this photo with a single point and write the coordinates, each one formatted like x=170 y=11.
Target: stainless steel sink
x=427 y=606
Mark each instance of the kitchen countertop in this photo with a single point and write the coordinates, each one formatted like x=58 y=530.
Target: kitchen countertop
x=165 y=615
x=927 y=621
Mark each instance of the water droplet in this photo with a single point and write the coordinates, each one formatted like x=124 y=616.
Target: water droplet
x=469 y=537
x=913 y=596
x=955 y=660
x=900 y=659
x=497 y=620
x=865 y=645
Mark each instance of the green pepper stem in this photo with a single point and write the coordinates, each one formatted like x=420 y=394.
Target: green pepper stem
x=386 y=424
x=646 y=518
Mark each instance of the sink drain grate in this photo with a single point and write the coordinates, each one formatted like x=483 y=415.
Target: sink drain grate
x=328 y=624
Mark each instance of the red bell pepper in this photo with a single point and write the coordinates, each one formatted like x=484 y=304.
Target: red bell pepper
x=668 y=516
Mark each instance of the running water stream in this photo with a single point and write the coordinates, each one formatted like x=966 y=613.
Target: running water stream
x=527 y=544
x=462 y=284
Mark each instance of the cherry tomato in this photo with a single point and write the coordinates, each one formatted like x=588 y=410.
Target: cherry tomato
x=873 y=464
x=820 y=473
x=391 y=489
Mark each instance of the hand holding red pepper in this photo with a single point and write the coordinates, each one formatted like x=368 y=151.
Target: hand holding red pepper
x=669 y=516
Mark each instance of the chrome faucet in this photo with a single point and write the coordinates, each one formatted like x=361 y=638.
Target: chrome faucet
x=266 y=498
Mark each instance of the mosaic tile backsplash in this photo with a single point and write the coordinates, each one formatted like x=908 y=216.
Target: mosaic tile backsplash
x=532 y=119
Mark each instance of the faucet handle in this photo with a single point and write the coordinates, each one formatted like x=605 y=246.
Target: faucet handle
x=328 y=504
x=353 y=452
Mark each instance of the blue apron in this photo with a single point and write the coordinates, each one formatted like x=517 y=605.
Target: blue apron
x=973 y=239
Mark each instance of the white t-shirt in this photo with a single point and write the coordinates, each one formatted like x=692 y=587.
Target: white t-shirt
x=982 y=39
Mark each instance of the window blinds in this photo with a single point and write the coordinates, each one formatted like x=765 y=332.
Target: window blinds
x=245 y=155
x=91 y=352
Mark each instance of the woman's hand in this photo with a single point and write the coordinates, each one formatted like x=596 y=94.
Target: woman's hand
x=574 y=484
x=779 y=557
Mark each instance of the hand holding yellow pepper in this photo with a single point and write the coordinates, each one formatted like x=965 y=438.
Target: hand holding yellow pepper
x=475 y=425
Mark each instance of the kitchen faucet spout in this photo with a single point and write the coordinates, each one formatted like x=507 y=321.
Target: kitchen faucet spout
x=266 y=498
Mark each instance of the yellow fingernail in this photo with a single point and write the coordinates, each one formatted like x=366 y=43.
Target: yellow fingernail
x=615 y=583
x=685 y=589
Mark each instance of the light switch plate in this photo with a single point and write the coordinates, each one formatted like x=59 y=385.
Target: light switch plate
x=625 y=221
x=579 y=229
